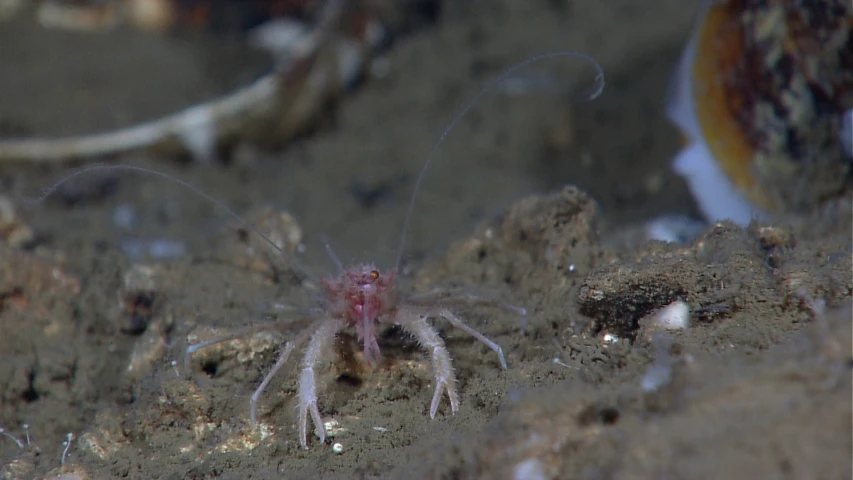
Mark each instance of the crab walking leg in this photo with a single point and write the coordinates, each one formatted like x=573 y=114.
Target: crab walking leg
x=453 y=298
x=244 y=332
x=308 y=381
x=417 y=325
x=458 y=323
x=253 y=402
x=446 y=298
x=198 y=346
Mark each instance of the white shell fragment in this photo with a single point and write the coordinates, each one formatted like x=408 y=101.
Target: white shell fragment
x=675 y=316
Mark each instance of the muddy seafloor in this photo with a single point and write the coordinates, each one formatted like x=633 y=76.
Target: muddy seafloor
x=92 y=341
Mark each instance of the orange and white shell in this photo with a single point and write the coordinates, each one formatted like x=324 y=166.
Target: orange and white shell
x=760 y=95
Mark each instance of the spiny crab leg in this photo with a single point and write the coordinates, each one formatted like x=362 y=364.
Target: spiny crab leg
x=447 y=298
x=241 y=333
x=416 y=323
x=414 y=320
x=458 y=323
x=253 y=402
x=282 y=359
x=307 y=391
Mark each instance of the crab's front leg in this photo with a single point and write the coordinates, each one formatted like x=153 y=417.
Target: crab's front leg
x=416 y=323
x=307 y=390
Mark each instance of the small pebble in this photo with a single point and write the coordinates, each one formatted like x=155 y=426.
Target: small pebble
x=675 y=316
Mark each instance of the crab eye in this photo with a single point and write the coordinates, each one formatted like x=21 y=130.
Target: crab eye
x=374 y=275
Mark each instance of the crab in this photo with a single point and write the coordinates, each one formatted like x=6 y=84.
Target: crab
x=363 y=297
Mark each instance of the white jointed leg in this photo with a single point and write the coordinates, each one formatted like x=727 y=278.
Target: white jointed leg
x=282 y=359
x=253 y=402
x=307 y=391
x=242 y=333
x=441 y=364
x=460 y=298
x=458 y=323
x=215 y=341
x=454 y=298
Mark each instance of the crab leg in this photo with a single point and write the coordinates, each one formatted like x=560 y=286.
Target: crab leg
x=282 y=359
x=445 y=379
x=307 y=391
x=458 y=323
x=446 y=298
x=243 y=332
x=458 y=298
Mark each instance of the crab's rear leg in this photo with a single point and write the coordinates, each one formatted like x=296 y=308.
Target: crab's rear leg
x=455 y=298
x=458 y=323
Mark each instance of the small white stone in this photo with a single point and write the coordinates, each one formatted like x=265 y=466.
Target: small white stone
x=610 y=338
x=675 y=316
x=333 y=428
x=338 y=448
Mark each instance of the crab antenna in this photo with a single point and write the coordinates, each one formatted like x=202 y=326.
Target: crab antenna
x=133 y=168
x=331 y=252
x=599 y=79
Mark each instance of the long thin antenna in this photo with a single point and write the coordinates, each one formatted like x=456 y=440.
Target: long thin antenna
x=134 y=168
x=331 y=252
x=599 y=78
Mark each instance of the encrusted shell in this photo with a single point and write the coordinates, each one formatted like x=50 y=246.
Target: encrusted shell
x=771 y=82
